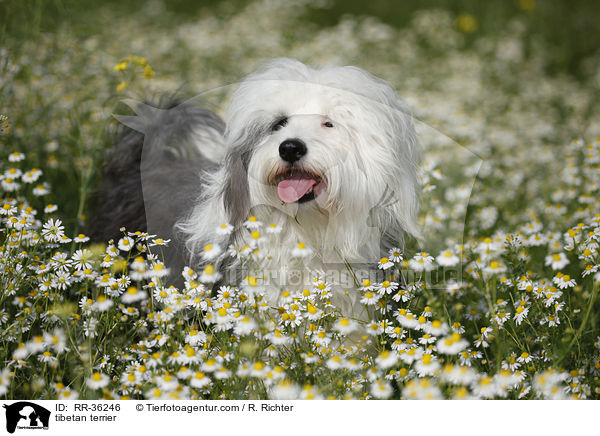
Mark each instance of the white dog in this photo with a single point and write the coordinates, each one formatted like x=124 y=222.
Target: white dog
x=328 y=157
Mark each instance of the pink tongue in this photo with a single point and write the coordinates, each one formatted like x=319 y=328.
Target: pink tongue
x=291 y=190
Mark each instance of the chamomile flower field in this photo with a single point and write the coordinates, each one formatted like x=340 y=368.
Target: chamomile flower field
x=500 y=300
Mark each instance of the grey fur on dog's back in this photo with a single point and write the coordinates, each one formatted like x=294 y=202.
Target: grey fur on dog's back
x=153 y=177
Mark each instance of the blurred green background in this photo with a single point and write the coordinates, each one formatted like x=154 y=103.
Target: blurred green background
x=498 y=77
x=570 y=28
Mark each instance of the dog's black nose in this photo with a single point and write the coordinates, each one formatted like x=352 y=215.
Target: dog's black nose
x=292 y=150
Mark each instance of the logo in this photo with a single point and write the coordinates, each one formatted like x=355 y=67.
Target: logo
x=26 y=415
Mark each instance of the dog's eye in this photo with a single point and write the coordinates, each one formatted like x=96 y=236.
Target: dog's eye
x=282 y=122
x=328 y=124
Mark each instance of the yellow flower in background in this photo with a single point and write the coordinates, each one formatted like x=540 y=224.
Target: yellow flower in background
x=138 y=60
x=527 y=5
x=148 y=72
x=134 y=62
x=120 y=265
x=467 y=23
x=121 y=66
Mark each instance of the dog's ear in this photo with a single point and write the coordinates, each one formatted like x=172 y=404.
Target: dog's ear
x=393 y=205
x=145 y=116
x=236 y=189
x=236 y=193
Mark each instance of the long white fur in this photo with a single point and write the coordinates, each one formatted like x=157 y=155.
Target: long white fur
x=368 y=160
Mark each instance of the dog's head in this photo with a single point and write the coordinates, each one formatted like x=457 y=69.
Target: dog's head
x=334 y=148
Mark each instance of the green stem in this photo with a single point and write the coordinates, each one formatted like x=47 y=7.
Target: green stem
x=581 y=327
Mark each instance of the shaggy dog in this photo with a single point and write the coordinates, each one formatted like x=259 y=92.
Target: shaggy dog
x=326 y=158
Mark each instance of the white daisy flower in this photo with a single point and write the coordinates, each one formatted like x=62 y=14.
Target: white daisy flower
x=485 y=387
x=374 y=328
x=31 y=176
x=133 y=295
x=428 y=365
x=421 y=389
x=252 y=223
x=211 y=251
x=158 y=270
x=16 y=157
x=274 y=229
x=53 y=230
x=125 y=244
x=452 y=344
x=41 y=190
x=81 y=238
x=521 y=313
x=98 y=381
x=387 y=287
x=370 y=298
x=301 y=250
x=421 y=262
x=386 y=359
x=285 y=390
x=345 y=326
x=244 y=326
x=385 y=263
x=564 y=281
x=160 y=242
x=199 y=380
x=447 y=258
x=102 y=304
x=494 y=267
x=224 y=229
x=381 y=389
x=458 y=375
x=335 y=362
x=557 y=261
x=395 y=255
x=51 y=208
